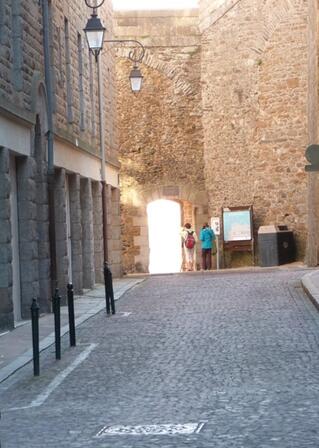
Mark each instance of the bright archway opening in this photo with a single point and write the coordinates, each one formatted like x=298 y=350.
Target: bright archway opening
x=164 y=223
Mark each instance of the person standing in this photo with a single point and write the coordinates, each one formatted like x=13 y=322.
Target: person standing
x=189 y=239
x=207 y=237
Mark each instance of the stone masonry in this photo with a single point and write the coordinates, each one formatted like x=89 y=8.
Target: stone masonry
x=61 y=231
x=98 y=231
x=240 y=76
x=87 y=234
x=76 y=232
x=6 y=316
x=28 y=231
x=254 y=78
x=161 y=135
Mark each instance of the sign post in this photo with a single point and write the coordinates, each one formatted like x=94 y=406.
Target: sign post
x=215 y=225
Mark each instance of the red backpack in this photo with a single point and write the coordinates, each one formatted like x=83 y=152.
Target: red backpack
x=190 y=240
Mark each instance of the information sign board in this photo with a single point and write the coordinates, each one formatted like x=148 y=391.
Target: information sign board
x=237 y=225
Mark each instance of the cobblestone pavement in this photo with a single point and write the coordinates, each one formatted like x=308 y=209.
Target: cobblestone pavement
x=238 y=352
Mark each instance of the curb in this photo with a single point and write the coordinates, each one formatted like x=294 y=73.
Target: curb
x=49 y=340
x=310 y=288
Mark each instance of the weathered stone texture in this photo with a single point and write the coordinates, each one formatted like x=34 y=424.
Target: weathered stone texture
x=76 y=233
x=6 y=306
x=312 y=255
x=87 y=234
x=98 y=231
x=61 y=231
x=20 y=50
x=254 y=78
x=28 y=236
x=114 y=232
x=83 y=127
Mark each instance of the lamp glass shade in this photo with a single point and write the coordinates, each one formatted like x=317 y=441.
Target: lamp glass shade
x=94 y=31
x=136 y=80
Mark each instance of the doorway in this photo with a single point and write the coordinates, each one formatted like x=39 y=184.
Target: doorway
x=16 y=287
x=164 y=225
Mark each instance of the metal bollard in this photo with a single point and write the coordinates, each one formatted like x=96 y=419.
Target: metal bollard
x=56 y=301
x=35 y=337
x=111 y=291
x=71 y=314
x=109 y=294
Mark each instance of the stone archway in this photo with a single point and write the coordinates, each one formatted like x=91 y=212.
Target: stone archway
x=136 y=245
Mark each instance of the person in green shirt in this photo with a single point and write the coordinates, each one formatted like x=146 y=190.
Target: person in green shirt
x=207 y=237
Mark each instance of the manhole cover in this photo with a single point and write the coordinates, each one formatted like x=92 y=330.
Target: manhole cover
x=169 y=429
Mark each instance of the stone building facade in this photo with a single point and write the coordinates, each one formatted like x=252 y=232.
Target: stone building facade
x=246 y=72
x=45 y=67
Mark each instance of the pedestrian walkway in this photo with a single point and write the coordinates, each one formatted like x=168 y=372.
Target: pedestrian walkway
x=16 y=345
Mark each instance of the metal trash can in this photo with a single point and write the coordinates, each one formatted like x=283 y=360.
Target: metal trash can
x=276 y=245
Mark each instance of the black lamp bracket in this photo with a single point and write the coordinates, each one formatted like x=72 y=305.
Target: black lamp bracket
x=137 y=54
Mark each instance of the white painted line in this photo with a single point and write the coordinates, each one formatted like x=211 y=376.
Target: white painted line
x=147 y=430
x=41 y=398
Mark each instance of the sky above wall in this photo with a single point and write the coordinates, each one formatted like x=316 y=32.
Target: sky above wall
x=154 y=4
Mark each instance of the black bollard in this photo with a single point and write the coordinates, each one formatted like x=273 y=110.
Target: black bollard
x=35 y=337
x=71 y=315
x=57 y=323
x=107 y=288
x=111 y=291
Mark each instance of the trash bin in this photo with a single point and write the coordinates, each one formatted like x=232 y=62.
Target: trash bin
x=276 y=245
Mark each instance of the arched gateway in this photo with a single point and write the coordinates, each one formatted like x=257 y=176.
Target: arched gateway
x=142 y=210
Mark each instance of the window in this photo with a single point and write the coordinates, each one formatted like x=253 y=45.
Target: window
x=69 y=95
x=81 y=94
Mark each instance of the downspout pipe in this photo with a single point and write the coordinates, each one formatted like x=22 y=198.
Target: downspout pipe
x=50 y=139
x=102 y=154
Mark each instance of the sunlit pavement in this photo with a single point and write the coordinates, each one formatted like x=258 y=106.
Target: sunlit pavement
x=229 y=360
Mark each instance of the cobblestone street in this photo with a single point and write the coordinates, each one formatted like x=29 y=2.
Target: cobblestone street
x=235 y=352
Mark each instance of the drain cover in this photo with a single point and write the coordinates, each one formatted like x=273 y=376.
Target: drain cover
x=141 y=430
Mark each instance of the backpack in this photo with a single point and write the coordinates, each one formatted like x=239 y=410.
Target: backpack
x=190 y=241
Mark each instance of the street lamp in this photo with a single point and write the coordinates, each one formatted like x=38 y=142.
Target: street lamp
x=95 y=31
x=136 y=79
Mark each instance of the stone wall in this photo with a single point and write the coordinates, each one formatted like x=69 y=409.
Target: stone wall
x=21 y=54
x=313 y=102
x=6 y=305
x=254 y=87
x=161 y=136
x=243 y=119
x=75 y=70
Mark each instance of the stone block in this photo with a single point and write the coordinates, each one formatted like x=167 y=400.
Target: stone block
x=4 y=186
x=27 y=210
x=28 y=270
x=43 y=249
x=27 y=190
x=28 y=250
x=5 y=254
x=44 y=269
x=43 y=231
x=5 y=275
x=5 y=209
x=5 y=232
x=28 y=231
x=43 y=212
x=4 y=160
x=6 y=320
